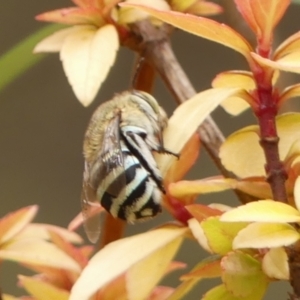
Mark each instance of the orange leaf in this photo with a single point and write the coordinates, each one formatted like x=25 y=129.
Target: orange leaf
x=38 y=252
x=58 y=277
x=13 y=223
x=42 y=290
x=255 y=186
x=186 y=188
x=87 y=250
x=244 y=7
x=190 y=282
x=68 y=249
x=73 y=16
x=115 y=289
x=291 y=44
x=161 y=293
x=208 y=268
x=262 y=16
x=289 y=92
x=206 y=28
x=205 y=8
x=175 y=265
x=268 y=13
x=41 y=231
x=78 y=220
x=186 y=160
x=201 y=212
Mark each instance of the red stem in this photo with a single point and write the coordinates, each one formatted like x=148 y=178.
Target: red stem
x=266 y=113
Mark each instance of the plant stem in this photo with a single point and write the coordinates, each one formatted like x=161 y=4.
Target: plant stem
x=266 y=112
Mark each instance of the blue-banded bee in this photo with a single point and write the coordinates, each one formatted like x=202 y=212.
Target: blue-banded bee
x=120 y=170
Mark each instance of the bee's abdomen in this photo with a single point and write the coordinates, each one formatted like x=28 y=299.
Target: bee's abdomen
x=139 y=198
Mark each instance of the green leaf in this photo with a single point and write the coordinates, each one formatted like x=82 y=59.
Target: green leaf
x=243 y=276
x=20 y=58
x=220 y=234
x=219 y=292
x=296 y=1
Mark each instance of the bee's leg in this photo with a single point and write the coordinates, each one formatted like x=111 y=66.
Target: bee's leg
x=166 y=151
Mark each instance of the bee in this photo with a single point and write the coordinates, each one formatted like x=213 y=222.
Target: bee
x=120 y=170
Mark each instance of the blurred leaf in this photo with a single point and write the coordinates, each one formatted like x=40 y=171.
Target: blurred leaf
x=204 y=8
x=116 y=289
x=73 y=16
x=54 y=41
x=20 y=58
x=181 y=5
x=255 y=186
x=243 y=277
x=296 y=1
x=120 y=256
x=36 y=230
x=220 y=235
x=201 y=212
x=289 y=92
x=68 y=248
x=262 y=211
x=185 y=188
x=244 y=7
x=199 y=235
x=13 y=223
x=87 y=55
x=42 y=290
x=9 y=297
x=208 y=268
x=180 y=128
x=297 y=192
x=190 y=281
x=129 y=15
x=79 y=220
x=266 y=235
x=275 y=264
x=38 y=252
x=262 y=16
x=141 y=283
x=206 y=28
x=289 y=63
x=220 y=292
x=291 y=44
x=161 y=293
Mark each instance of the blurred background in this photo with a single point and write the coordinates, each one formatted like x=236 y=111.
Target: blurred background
x=42 y=127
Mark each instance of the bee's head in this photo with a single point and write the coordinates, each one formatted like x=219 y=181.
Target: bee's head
x=151 y=107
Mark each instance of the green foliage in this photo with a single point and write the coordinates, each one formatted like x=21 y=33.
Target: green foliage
x=20 y=58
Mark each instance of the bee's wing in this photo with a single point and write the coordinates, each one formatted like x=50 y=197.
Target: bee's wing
x=99 y=176
x=89 y=206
